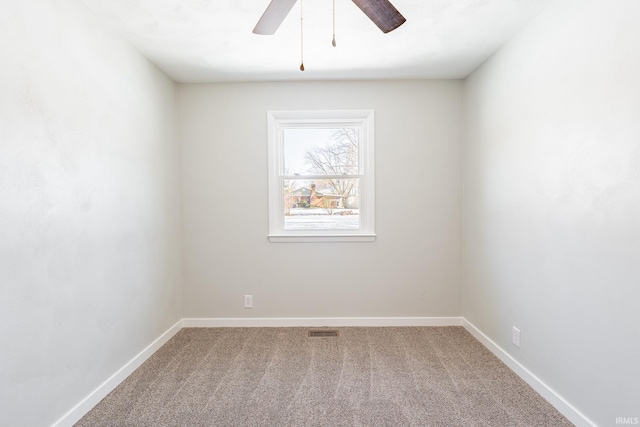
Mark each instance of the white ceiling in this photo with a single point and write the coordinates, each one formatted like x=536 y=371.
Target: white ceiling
x=211 y=40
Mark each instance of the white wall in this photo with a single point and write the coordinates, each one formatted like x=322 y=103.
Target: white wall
x=412 y=269
x=89 y=208
x=552 y=202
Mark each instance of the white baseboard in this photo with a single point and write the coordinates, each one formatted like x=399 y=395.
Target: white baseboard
x=564 y=407
x=319 y=322
x=78 y=411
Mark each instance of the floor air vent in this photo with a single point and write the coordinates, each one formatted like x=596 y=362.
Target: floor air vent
x=324 y=333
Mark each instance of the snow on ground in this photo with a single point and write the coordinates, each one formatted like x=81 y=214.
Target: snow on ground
x=322 y=211
x=321 y=222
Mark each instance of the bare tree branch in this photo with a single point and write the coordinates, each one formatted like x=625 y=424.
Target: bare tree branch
x=338 y=158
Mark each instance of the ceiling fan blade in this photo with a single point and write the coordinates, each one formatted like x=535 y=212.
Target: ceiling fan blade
x=273 y=16
x=382 y=13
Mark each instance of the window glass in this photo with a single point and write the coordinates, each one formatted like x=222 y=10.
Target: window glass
x=321 y=204
x=320 y=151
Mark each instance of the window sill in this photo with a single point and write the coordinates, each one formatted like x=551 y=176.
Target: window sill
x=322 y=238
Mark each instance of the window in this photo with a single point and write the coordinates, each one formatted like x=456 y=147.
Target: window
x=321 y=176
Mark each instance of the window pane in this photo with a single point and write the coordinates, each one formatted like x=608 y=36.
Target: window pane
x=321 y=204
x=320 y=151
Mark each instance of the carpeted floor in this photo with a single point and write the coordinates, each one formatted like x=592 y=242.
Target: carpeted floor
x=413 y=376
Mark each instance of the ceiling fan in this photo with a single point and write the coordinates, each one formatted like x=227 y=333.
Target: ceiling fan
x=381 y=12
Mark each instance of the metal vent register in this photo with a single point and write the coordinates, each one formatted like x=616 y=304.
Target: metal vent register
x=323 y=333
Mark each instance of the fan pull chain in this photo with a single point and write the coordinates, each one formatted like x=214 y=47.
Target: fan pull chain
x=301 y=39
x=333 y=41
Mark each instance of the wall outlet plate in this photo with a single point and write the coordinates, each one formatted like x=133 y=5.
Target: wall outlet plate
x=515 y=339
x=248 y=301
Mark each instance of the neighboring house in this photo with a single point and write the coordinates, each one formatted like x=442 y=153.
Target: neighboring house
x=308 y=197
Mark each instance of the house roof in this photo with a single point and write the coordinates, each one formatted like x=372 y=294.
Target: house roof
x=306 y=192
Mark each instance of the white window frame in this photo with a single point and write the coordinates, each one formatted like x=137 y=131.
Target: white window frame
x=277 y=121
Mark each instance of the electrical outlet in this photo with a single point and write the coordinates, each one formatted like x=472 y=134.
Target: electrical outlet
x=248 y=301
x=515 y=339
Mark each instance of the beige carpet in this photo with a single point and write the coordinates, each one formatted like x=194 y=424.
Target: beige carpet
x=414 y=376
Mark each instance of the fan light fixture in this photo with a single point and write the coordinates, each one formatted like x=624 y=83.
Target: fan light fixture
x=380 y=12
